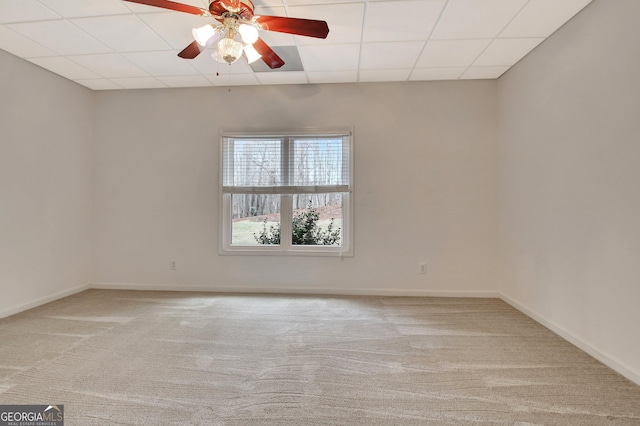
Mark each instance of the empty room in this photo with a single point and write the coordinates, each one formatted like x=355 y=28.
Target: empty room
x=327 y=212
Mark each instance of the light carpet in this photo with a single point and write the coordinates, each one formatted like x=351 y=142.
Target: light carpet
x=169 y=358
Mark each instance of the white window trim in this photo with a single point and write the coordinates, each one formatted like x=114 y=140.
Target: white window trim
x=286 y=210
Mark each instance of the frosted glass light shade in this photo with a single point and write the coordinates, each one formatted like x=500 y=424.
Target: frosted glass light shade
x=252 y=53
x=203 y=34
x=248 y=33
x=230 y=50
x=217 y=56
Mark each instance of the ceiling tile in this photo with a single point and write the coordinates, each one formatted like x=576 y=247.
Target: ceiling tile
x=331 y=57
x=64 y=67
x=506 y=51
x=61 y=36
x=233 y=80
x=161 y=63
x=99 y=84
x=451 y=53
x=384 y=75
x=382 y=23
x=261 y=5
x=24 y=10
x=344 y=20
x=174 y=28
x=109 y=65
x=206 y=65
x=20 y=45
x=540 y=18
x=452 y=73
x=464 y=19
x=390 y=55
x=132 y=35
x=80 y=8
x=480 y=73
x=139 y=83
x=296 y=77
x=273 y=38
x=197 y=3
x=186 y=81
x=331 y=2
x=269 y=10
x=333 y=77
x=141 y=8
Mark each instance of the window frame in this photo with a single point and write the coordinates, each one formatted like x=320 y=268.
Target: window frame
x=286 y=205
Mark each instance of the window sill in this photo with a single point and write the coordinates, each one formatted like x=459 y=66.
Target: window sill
x=277 y=251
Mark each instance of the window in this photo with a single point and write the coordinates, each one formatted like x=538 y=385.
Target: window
x=287 y=193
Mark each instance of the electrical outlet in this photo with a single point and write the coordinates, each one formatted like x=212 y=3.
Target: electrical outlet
x=174 y=265
x=422 y=268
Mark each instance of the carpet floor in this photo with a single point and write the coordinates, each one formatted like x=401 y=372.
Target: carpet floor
x=169 y=358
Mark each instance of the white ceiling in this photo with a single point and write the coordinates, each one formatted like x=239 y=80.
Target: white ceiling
x=113 y=44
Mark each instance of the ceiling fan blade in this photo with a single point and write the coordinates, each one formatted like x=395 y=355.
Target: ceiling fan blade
x=191 y=51
x=298 y=26
x=269 y=57
x=166 y=4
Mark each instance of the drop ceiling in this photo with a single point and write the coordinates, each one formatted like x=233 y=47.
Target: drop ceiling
x=113 y=44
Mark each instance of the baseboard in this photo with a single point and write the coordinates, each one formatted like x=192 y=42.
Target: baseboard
x=571 y=338
x=297 y=290
x=42 y=301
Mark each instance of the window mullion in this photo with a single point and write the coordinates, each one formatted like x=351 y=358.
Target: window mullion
x=286 y=200
x=286 y=221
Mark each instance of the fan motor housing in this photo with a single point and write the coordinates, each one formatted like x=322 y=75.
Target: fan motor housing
x=242 y=8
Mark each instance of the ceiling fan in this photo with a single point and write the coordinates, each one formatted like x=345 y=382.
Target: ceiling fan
x=236 y=18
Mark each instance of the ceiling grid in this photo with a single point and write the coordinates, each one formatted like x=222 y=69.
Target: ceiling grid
x=113 y=44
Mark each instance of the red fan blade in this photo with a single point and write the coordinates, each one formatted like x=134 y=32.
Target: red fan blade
x=305 y=27
x=269 y=57
x=191 y=51
x=166 y=4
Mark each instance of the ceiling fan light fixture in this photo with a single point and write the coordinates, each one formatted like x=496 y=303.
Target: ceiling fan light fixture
x=248 y=33
x=204 y=34
x=230 y=50
x=217 y=56
x=237 y=18
x=251 y=53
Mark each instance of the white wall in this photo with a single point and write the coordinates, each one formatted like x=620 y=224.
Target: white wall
x=425 y=187
x=45 y=183
x=569 y=153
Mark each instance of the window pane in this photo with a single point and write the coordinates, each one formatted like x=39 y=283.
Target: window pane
x=256 y=219
x=317 y=219
x=252 y=162
x=319 y=162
